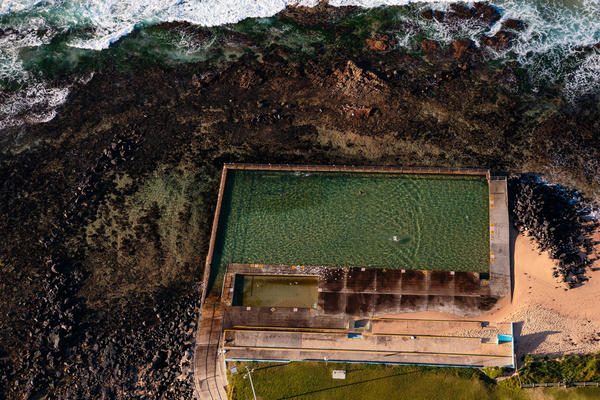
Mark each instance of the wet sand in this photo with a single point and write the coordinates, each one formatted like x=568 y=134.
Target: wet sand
x=548 y=320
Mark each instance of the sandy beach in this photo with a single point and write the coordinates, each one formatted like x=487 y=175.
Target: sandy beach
x=548 y=320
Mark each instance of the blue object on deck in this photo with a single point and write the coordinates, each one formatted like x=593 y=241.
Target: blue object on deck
x=361 y=324
x=505 y=338
x=355 y=336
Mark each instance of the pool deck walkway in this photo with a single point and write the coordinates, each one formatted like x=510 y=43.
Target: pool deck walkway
x=409 y=346
x=500 y=280
x=207 y=366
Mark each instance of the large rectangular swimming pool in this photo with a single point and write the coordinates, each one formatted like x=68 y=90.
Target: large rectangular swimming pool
x=382 y=220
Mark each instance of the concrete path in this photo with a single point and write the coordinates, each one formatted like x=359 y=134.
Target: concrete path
x=438 y=350
x=207 y=371
x=382 y=340
x=499 y=284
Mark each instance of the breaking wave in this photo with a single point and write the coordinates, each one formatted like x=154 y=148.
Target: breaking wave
x=557 y=45
x=37 y=103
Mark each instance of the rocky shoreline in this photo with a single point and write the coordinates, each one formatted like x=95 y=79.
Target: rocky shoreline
x=106 y=210
x=66 y=354
x=555 y=220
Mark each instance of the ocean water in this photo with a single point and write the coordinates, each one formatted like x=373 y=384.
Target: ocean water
x=39 y=38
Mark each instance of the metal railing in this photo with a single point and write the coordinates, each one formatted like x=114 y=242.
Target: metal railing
x=360 y=168
x=560 y=384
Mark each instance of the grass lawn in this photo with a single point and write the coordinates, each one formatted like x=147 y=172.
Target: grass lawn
x=562 y=394
x=313 y=380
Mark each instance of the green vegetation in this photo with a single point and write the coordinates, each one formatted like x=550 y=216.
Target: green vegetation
x=564 y=394
x=313 y=380
x=147 y=237
x=569 y=368
x=494 y=372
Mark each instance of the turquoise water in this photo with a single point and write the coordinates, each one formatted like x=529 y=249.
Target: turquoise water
x=440 y=222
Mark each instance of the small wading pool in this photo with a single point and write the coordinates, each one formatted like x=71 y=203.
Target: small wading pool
x=380 y=220
x=275 y=291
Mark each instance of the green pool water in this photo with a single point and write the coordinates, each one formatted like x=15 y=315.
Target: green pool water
x=404 y=221
x=276 y=291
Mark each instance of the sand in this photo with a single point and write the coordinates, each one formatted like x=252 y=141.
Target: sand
x=548 y=320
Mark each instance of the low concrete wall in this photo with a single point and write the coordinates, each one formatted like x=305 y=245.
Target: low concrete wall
x=213 y=234
x=361 y=168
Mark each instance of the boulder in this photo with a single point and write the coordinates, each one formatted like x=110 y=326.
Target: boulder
x=427 y=14
x=500 y=41
x=462 y=12
x=486 y=14
x=515 y=24
x=462 y=50
x=432 y=48
x=381 y=42
x=55 y=340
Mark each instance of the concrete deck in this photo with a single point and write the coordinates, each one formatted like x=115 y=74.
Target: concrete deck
x=268 y=343
x=499 y=285
x=207 y=373
x=432 y=327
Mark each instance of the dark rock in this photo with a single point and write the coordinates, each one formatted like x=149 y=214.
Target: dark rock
x=427 y=14
x=506 y=78
x=515 y=24
x=234 y=38
x=250 y=79
x=486 y=14
x=55 y=339
x=439 y=16
x=381 y=42
x=500 y=41
x=432 y=48
x=463 y=50
x=462 y=12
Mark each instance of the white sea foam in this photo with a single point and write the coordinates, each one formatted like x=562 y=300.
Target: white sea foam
x=14 y=6
x=547 y=48
x=554 y=29
x=116 y=18
x=37 y=103
x=11 y=66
